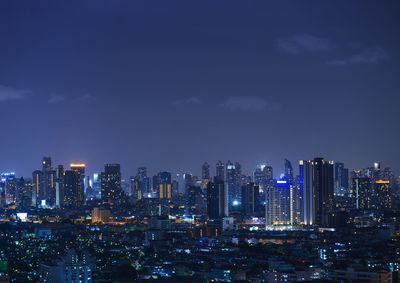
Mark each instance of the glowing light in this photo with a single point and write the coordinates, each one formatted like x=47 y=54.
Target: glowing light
x=281 y=182
x=77 y=165
x=235 y=203
x=382 y=182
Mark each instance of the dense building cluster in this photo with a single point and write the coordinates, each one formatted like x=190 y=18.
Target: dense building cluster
x=64 y=225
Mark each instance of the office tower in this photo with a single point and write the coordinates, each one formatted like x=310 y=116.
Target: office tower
x=194 y=200
x=205 y=171
x=341 y=179
x=81 y=168
x=46 y=167
x=164 y=190
x=323 y=183
x=306 y=190
x=233 y=181
x=220 y=170
x=278 y=198
x=387 y=174
x=217 y=199
x=296 y=203
x=382 y=199
x=73 y=191
x=316 y=185
x=362 y=192
x=288 y=172
x=8 y=188
x=37 y=181
x=25 y=193
x=250 y=199
x=59 y=191
x=111 y=191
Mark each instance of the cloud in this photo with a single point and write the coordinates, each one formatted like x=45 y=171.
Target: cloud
x=85 y=97
x=54 y=99
x=249 y=103
x=10 y=93
x=372 y=55
x=303 y=42
x=186 y=101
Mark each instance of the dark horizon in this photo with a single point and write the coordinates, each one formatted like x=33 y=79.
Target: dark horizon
x=170 y=85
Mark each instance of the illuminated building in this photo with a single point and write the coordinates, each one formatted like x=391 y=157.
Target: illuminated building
x=111 y=191
x=164 y=190
x=316 y=186
x=217 y=199
x=101 y=215
x=278 y=212
x=233 y=181
x=250 y=199
x=73 y=191
x=382 y=199
x=306 y=190
x=362 y=192
x=59 y=186
x=341 y=179
x=8 y=187
x=37 y=177
x=45 y=197
x=80 y=168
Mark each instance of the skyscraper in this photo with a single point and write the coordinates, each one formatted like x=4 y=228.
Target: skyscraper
x=362 y=192
x=341 y=179
x=220 y=170
x=317 y=185
x=59 y=186
x=382 y=199
x=217 y=199
x=73 y=192
x=250 y=199
x=37 y=181
x=111 y=191
x=233 y=181
x=323 y=184
x=46 y=192
x=288 y=172
x=278 y=210
x=205 y=171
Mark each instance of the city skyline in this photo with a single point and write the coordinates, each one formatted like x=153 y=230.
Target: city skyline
x=170 y=85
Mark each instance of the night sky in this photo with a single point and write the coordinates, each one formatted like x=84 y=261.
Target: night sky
x=171 y=84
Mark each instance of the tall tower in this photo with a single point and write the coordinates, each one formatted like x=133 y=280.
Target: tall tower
x=111 y=191
x=250 y=199
x=306 y=190
x=217 y=199
x=46 y=191
x=220 y=170
x=288 y=172
x=205 y=171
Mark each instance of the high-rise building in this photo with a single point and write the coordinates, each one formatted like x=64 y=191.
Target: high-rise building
x=142 y=172
x=8 y=188
x=250 y=199
x=233 y=182
x=59 y=191
x=81 y=168
x=37 y=181
x=288 y=172
x=278 y=210
x=217 y=199
x=45 y=198
x=382 y=199
x=317 y=186
x=220 y=170
x=73 y=191
x=205 y=172
x=341 y=179
x=362 y=192
x=111 y=191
